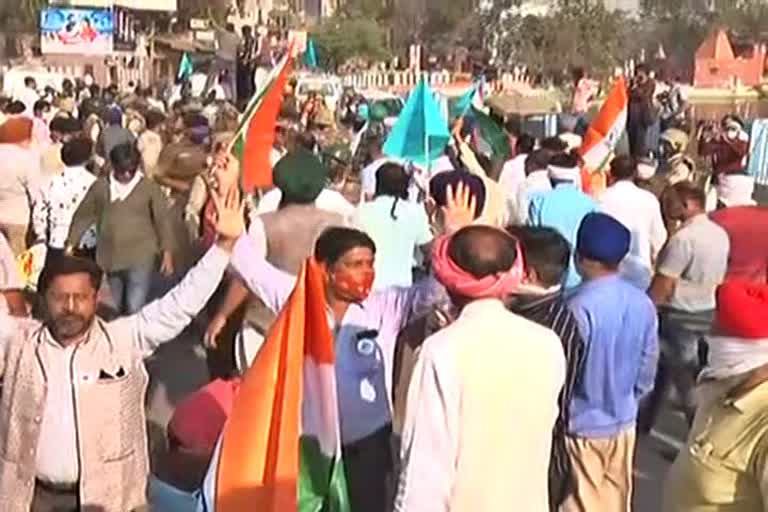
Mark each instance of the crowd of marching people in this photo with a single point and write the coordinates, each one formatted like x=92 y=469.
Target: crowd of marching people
x=503 y=333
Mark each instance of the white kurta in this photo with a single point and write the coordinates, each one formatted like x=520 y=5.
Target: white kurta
x=481 y=407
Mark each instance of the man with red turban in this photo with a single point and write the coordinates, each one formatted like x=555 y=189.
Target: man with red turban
x=457 y=425
x=724 y=466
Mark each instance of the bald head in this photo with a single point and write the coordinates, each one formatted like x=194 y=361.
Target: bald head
x=483 y=250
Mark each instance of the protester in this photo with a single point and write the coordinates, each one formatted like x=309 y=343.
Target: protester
x=691 y=266
x=747 y=228
x=642 y=112
x=584 y=90
x=60 y=198
x=113 y=134
x=192 y=433
x=133 y=226
x=455 y=426
x=727 y=146
x=66 y=441
x=366 y=326
x=20 y=184
x=536 y=180
x=722 y=466
x=11 y=283
x=513 y=174
x=286 y=238
x=42 y=116
x=619 y=326
x=397 y=226
x=540 y=299
x=150 y=142
x=28 y=96
x=564 y=207
x=63 y=129
x=640 y=212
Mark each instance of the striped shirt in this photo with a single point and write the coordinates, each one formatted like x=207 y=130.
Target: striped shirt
x=550 y=310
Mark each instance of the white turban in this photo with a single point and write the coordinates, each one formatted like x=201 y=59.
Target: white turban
x=572 y=140
x=736 y=190
x=565 y=174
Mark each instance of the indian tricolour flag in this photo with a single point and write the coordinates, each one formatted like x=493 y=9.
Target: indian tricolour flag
x=255 y=135
x=280 y=450
x=606 y=129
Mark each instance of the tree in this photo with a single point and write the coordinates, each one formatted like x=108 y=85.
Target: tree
x=22 y=16
x=342 y=38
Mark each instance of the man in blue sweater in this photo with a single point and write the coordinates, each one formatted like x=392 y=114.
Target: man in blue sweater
x=619 y=326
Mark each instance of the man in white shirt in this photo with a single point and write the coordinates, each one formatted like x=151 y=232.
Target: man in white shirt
x=52 y=214
x=639 y=211
x=513 y=173
x=29 y=96
x=481 y=402
x=368 y=174
x=398 y=227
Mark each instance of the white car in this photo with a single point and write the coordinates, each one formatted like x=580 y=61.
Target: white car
x=327 y=86
x=392 y=103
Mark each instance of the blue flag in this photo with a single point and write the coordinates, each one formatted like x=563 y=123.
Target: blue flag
x=310 y=57
x=421 y=132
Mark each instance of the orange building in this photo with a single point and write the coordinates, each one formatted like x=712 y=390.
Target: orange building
x=717 y=65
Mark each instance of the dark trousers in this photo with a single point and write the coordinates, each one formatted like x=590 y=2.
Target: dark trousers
x=49 y=499
x=369 y=468
x=683 y=355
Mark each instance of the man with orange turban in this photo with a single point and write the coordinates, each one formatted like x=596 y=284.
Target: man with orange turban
x=19 y=180
x=457 y=426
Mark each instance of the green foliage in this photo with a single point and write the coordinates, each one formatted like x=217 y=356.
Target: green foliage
x=342 y=38
x=22 y=15
x=575 y=34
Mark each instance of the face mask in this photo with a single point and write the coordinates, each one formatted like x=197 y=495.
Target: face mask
x=731 y=133
x=352 y=286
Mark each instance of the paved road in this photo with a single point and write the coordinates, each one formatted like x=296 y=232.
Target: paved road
x=179 y=368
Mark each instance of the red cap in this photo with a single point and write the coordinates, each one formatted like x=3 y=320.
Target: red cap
x=199 y=419
x=742 y=309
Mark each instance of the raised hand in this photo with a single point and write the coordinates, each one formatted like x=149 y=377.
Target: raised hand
x=460 y=207
x=230 y=222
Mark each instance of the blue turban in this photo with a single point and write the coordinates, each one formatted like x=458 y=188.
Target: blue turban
x=114 y=116
x=602 y=238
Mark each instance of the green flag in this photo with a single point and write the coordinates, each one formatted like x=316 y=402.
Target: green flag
x=310 y=57
x=185 y=67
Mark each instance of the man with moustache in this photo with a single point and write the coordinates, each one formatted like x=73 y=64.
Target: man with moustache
x=72 y=423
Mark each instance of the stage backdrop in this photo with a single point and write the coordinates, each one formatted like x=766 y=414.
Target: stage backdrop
x=79 y=31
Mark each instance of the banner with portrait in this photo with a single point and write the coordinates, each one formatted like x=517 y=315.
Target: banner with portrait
x=76 y=31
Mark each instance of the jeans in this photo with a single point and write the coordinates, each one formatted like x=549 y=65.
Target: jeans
x=130 y=288
x=682 y=358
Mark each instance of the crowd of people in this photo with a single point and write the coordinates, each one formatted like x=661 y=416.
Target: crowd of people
x=502 y=336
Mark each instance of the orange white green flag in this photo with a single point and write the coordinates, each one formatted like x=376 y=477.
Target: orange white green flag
x=280 y=450
x=606 y=129
x=255 y=135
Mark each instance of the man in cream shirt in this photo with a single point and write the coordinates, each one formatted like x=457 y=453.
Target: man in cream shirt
x=482 y=402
